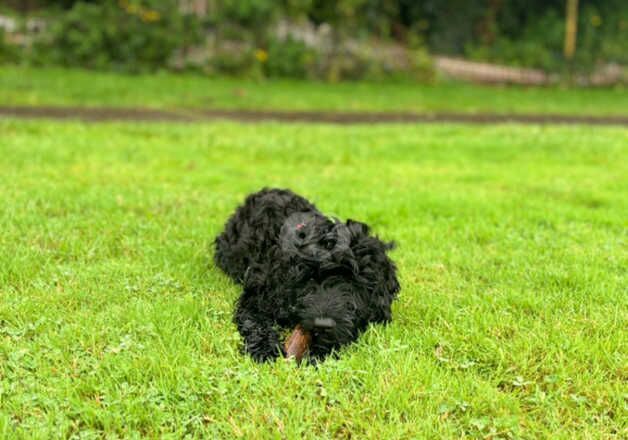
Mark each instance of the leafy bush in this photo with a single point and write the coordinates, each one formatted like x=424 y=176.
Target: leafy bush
x=126 y=35
x=539 y=46
x=248 y=13
x=235 y=60
x=136 y=35
x=538 y=43
x=8 y=52
x=288 y=58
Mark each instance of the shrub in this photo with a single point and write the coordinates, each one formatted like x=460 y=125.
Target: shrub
x=288 y=58
x=8 y=52
x=537 y=41
x=234 y=59
x=136 y=35
x=126 y=35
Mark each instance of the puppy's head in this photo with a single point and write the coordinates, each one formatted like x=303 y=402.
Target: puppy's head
x=313 y=237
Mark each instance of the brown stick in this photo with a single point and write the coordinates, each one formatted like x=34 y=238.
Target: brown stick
x=297 y=343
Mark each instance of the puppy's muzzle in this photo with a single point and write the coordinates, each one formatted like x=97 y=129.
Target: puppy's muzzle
x=324 y=323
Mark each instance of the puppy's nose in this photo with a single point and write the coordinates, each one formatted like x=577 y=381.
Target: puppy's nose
x=324 y=323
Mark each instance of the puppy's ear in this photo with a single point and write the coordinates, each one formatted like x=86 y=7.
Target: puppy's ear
x=357 y=229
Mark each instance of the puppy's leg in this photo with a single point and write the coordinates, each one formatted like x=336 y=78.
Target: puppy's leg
x=261 y=341
x=255 y=317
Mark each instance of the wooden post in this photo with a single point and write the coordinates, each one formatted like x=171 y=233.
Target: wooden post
x=571 y=29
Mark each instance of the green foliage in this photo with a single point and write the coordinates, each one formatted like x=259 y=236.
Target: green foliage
x=602 y=36
x=421 y=65
x=248 y=13
x=289 y=58
x=8 y=52
x=125 y=35
x=234 y=60
x=540 y=45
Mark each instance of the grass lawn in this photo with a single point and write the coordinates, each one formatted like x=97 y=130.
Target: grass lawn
x=26 y=86
x=511 y=321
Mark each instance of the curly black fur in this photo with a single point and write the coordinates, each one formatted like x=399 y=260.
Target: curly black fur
x=297 y=266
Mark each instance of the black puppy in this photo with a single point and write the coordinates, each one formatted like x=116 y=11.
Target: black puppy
x=299 y=267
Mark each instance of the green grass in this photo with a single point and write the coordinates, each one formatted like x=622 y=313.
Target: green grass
x=511 y=321
x=27 y=86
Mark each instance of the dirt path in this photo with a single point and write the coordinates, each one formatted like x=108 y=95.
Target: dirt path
x=144 y=114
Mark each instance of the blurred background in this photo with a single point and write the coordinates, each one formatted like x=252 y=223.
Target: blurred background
x=540 y=42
